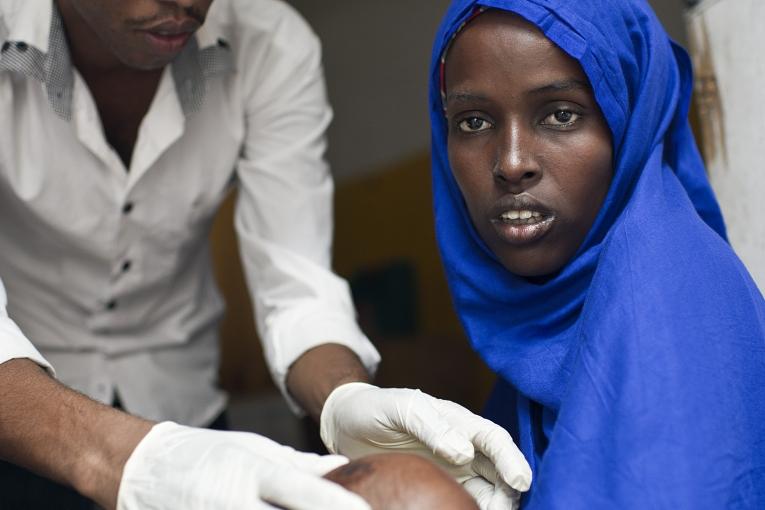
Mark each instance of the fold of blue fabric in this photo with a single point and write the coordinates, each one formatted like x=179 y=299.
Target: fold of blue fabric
x=638 y=370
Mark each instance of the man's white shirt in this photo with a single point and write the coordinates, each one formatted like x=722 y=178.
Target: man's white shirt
x=13 y=344
x=108 y=269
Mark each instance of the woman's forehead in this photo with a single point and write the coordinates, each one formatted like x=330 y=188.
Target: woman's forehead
x=503 y=23
x=508 y=48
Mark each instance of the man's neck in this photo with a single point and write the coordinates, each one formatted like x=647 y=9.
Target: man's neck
x=122 y=94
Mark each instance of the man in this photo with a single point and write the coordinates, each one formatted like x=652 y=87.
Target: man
x=126 y=123
x=67 y=437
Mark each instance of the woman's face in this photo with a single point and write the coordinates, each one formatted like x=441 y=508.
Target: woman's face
x=528 y=145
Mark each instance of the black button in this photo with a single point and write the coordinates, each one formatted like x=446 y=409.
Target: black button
x=126 y=266
x=222 y=43
x=127 y=208
x=21 y=46
x=5 y=47
x=111 y=304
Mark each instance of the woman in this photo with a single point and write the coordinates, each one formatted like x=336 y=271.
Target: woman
x=587 y=259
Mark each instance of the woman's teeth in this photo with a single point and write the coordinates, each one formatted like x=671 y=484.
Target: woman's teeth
x=523 y=217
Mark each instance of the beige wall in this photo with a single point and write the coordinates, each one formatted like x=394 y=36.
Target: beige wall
x=376 y=55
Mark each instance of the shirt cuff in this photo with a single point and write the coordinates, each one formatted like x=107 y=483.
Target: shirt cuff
x=14 y=345
x=312 y=330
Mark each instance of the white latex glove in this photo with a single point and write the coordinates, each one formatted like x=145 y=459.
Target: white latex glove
x=176 y=467
x=360 y=419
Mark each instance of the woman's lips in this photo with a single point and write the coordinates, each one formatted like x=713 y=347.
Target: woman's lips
x=521 y=219
x=519 y=233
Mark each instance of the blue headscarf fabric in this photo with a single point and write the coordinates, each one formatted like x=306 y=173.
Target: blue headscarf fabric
x=635 y=377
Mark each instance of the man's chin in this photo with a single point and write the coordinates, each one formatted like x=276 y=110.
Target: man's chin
x=146 y=60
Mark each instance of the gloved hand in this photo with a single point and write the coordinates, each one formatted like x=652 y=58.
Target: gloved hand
x=176 y=467
x=360 y=419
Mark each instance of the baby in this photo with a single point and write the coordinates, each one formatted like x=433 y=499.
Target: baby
x=396 y=481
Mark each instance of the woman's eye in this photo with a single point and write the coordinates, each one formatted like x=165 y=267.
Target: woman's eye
x=473 y=125
x=561 y=118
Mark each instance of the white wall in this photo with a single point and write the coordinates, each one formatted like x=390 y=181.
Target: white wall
x=727 y=37
x=376 y=55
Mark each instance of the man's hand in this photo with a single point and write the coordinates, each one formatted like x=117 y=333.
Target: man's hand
x=176 y=467
x=360 y=419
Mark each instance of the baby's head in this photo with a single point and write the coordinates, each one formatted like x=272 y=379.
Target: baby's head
x=396 y=481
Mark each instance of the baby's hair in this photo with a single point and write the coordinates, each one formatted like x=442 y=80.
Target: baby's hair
x=353 y=472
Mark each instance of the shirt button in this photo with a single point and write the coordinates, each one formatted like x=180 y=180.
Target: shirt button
x=127 y=208
x=126 y=266
x=5 y=47
x=111 y=304
x=222 y=43
x=21 y=46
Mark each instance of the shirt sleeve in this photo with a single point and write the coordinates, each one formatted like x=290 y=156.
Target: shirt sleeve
x=284 y=210
x=13 y=343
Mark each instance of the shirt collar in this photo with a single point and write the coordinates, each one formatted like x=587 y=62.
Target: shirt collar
x=33 y=43
x=28 y=21
x=206 y=55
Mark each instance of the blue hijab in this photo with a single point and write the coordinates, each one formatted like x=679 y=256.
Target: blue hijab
x=635 y=377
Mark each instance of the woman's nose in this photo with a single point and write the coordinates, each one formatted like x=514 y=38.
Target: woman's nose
x=517 y=166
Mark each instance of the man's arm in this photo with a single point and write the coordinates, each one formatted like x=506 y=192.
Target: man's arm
x=104 y=453
x=320 y=370
x=62 y=435
x=305 y=313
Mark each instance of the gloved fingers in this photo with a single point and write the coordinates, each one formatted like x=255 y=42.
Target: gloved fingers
x=504 y=498
x=424 y=421
x=481 y=490
x=497 y=445
x=494 y=442
x=490 y=496
x=485 y=468
x=295 y=490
